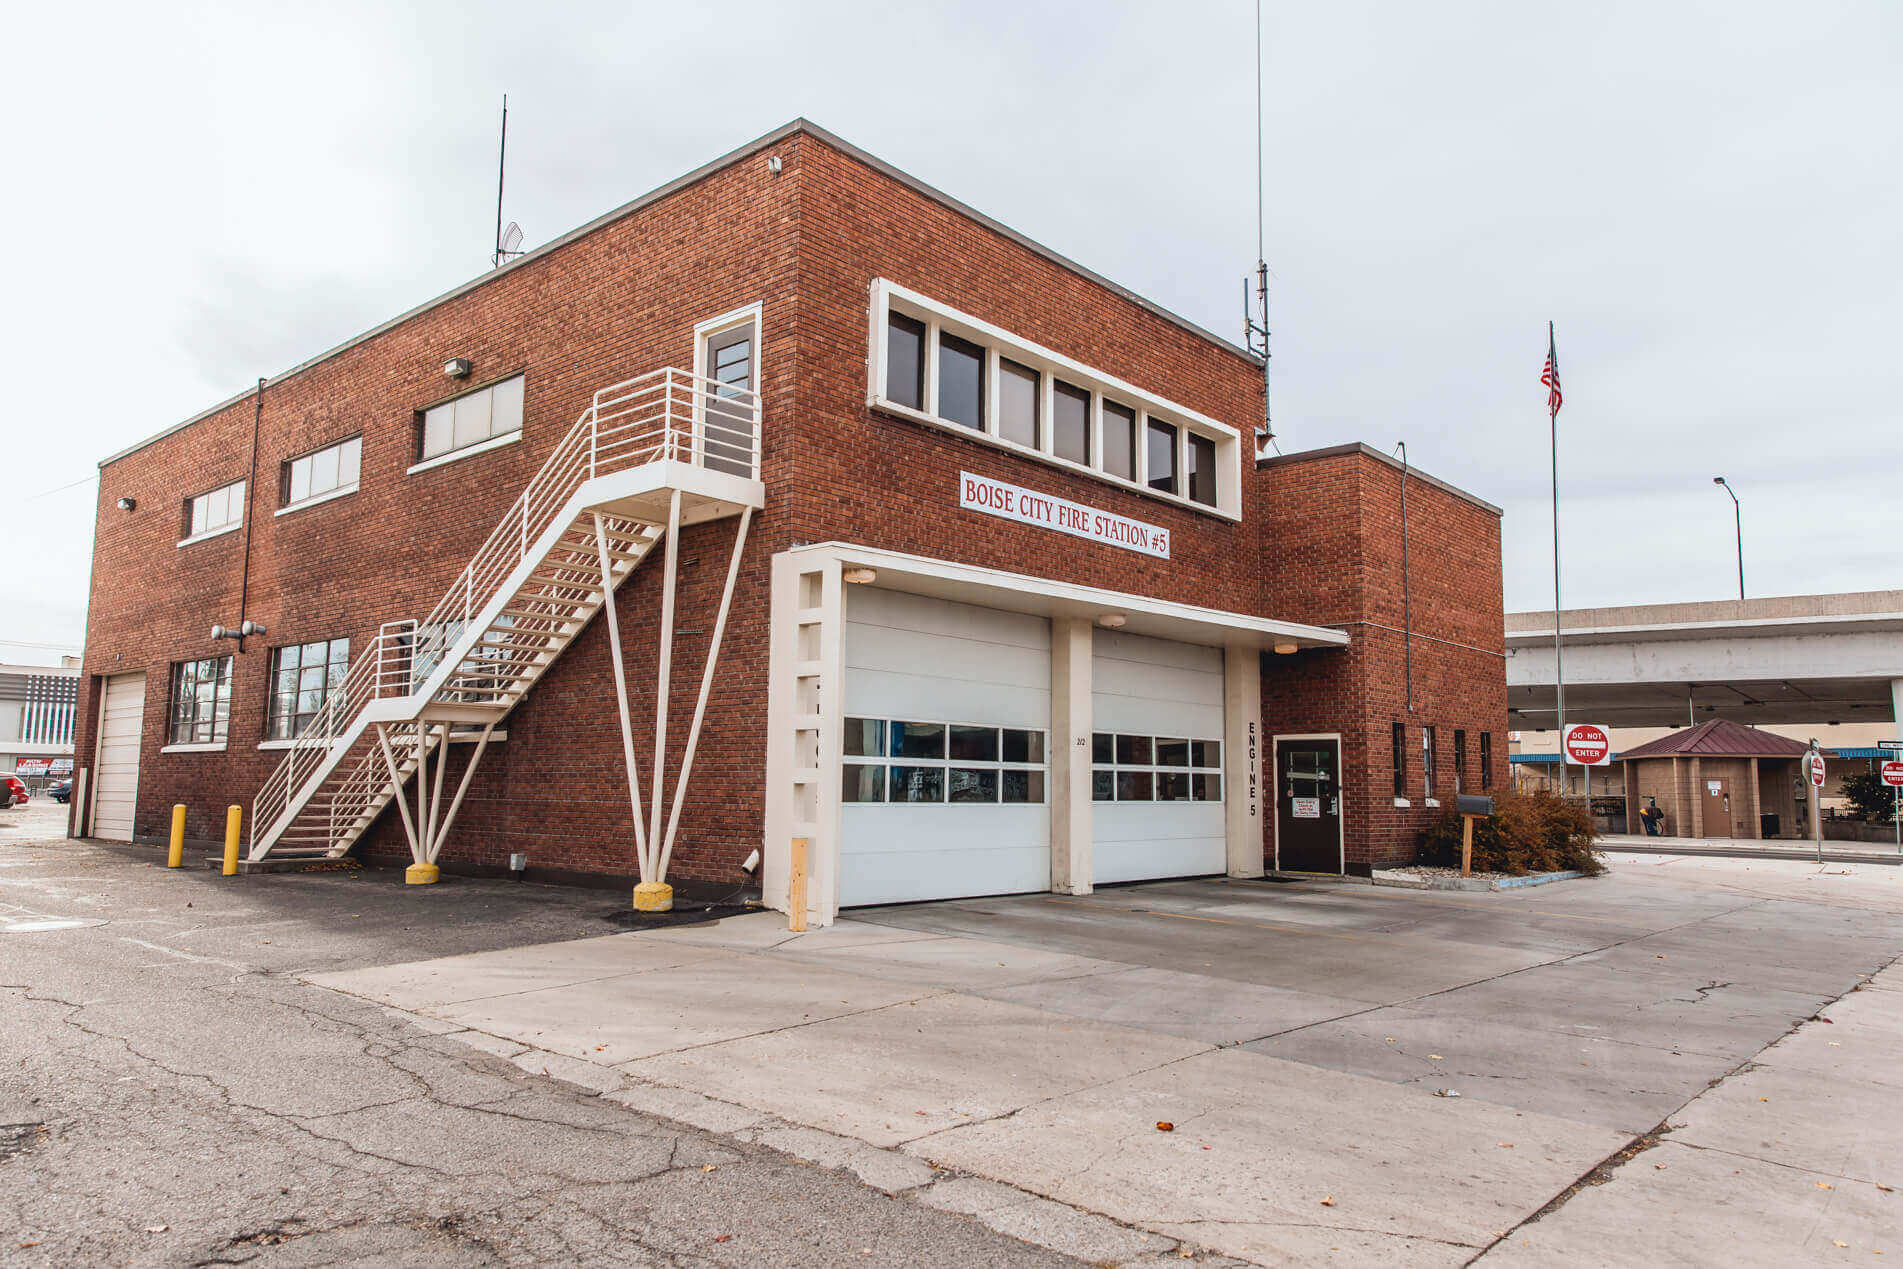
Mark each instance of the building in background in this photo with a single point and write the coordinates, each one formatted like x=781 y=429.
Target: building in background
x=37 y=708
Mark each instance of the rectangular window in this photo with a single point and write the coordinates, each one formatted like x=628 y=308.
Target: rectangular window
x=303 y=676
x=1400 y=760
x=1427 y=762
x=961 y=382
x=1160 y=454
x=956 y=763
x=862 y=784
x=222 y=508
x=201 y=701
x=1119 y=440
x=905 y=361
x=1486 y=760
x=974 y=784
x=486 y=414
x=918 y=740
x=333 y=468
x=918 y=784
x=1070 y=422
x=1155 y=769
x=1460 y=762
x=1202 y=470
x=1017 y=402
x=974 y=744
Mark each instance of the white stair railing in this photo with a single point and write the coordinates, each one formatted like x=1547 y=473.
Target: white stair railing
x=665 y=415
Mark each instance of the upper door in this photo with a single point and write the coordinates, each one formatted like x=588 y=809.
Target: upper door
x=1308 y=805
x=732 y=362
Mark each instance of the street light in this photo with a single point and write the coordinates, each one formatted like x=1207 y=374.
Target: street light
x=1737 y=517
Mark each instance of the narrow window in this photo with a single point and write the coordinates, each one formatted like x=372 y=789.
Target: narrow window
x=1119 y=440
x=1400 y=760
x=1017 y=403
x=961 y=382
x=483 y=415
x=219 y=509
x=1202 y=470
x=201 y=701
x=1486 y=760
x=905 y=361
x=1460 y=762
x=303 y=676
x=328 y=470
x=1427 y=762
x=1161 y=455
x=1070 y=422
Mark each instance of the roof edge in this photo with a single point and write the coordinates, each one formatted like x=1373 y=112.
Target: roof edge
x=1362 y=447
x=797 y=125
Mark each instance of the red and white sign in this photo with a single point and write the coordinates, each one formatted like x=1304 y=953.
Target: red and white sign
x=32 y=766
x=1814 y=768
x=1893 y=774
x=1587 y=745
x=1047 y=511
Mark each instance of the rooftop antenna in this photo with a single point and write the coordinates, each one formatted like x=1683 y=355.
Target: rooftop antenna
x=1255 y=325
x=508 y=241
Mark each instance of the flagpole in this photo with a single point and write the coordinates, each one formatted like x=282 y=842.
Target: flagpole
x=1559 y=670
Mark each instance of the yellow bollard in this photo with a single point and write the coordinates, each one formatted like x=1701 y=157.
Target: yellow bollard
x=175 y=857
x=234 y=815
x=422 y=875
x=654 y=896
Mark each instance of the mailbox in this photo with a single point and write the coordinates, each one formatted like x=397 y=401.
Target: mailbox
x=1475 y=804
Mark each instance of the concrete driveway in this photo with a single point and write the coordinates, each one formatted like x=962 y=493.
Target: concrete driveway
x=1350 y=1071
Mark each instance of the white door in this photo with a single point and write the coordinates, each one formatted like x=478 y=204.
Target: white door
x=116 y=774
x=1156 y=759
x=946 y=752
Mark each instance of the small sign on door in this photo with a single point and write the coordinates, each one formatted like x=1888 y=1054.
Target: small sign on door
x=1714 y=787
x=1305 y=808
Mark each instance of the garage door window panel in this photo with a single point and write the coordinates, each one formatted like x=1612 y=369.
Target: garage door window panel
x=954 y=763
x=1155 y=769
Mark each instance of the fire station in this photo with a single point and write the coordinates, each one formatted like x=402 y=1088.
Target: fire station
x=792 y=502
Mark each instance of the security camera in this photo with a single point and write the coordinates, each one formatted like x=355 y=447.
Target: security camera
x=128 y=504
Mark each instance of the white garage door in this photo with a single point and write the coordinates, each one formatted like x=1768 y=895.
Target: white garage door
x=1156 y=759
x=116 y=777
x=946 y=776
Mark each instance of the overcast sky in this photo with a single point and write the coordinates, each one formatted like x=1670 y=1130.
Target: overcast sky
x=1705 y=197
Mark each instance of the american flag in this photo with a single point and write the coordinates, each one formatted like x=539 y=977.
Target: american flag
x=1550 y=376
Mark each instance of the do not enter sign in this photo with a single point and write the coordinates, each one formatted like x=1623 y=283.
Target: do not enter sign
x=1814 y=768
x=1893 y=774
x=1587 y=745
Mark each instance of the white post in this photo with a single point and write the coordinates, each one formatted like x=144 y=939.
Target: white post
x=436 y=792
x=621 y=700
x=461 y=788
x=1073 y=862
x=665 y=670
x=1242 y=759
x=396 y=793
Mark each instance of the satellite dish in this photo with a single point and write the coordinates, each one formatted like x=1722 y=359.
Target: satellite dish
x=511 y=240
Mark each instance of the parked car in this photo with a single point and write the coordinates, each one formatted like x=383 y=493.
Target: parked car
x=16 y=790
x=60 y=791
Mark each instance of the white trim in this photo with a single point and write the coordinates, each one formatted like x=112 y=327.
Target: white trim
x=1430 y=802
x=214 y=746
x=1341 y=808
x=467 y=451
x=941 y=319
x=314 y=499
x=725 y=322
x=467 y=736
x=1402 y=802
x=209 y=534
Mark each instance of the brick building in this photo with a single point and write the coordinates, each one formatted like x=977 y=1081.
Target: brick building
x=897 y=532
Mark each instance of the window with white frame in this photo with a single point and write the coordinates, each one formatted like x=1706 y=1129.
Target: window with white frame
x=961 y=764
x=321 y=473
x=491 y=413
x=303 y=675
x=935 y=364
x=1127 y=768
x=201 y=701
x=213 y=512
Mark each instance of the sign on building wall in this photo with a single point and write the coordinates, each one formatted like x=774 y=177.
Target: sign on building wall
x=1047 y=511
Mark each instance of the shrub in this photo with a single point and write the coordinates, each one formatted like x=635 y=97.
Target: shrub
x=1870 y=799
x=1527 y=833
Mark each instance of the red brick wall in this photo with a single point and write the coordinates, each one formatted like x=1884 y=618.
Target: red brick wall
x=1331 y=555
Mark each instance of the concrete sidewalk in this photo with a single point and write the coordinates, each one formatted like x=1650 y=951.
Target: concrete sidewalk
x=1753 y=848
x=1013 y=1057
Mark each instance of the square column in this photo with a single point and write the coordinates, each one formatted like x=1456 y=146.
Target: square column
x=1757 y=804
x=1071 y=722
x=1242 y=759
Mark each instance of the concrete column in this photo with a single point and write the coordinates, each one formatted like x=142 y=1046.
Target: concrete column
x=1632 y=822
x=1896 y=708
x=1242 y=758
x=1071 y=721
x=1698 y=798
x=1756 y=804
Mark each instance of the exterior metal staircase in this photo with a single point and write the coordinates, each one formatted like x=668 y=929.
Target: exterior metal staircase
x=665 y=449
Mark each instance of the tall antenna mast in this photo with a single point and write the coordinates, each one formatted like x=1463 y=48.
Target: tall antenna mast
x=502 y=158
x=1256 y=325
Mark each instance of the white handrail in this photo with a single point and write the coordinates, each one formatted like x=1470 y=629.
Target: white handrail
x=664 y=415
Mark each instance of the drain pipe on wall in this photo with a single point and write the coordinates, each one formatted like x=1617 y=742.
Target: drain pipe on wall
x=1407 y=586
x=250 y=493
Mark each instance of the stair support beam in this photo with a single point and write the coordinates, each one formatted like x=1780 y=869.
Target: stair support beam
x=396 y=792
x=664 y=677
x=706 y=690
x=462 y=787
x=621 y=702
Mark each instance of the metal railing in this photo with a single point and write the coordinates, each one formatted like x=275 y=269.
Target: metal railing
x=664 y=415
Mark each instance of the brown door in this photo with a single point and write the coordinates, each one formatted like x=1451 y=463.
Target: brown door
x=1308 y=805
x=1717 y=808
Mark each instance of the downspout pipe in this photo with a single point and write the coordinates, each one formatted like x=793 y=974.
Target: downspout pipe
x=1407 y=586
x=250 y=494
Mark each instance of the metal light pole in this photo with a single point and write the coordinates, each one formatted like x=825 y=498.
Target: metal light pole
x=1737 y=517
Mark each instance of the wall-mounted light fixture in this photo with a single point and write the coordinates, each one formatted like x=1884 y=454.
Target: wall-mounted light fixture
x=1112 y=620
x=458 y=367
x=128 y=504
x=773 y=164
x=861 y=576
x=1285 y=649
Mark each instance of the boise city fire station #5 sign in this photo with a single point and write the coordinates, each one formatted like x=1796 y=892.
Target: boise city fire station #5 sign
x=1027 y=506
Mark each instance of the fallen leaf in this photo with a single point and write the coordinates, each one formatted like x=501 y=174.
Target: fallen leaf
x=1825 y=1185
x=36 y=1242
x=706 y=1167
x=156 y=1229
x=1505 y=1145
x=1329 y=1201
x=1164 y=1125
x=1835 y=1044
x=1390 y=1039
x=1885 y=1188
x=723 y=1238
x=1838 y=1242
x=1435 y=1057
